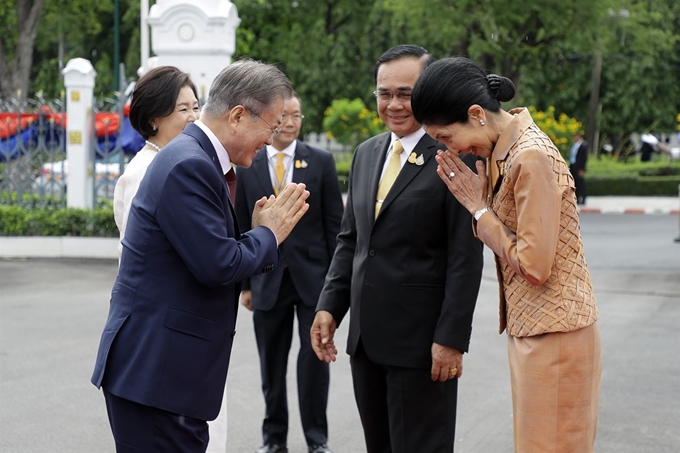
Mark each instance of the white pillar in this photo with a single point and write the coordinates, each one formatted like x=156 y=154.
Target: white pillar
x=144 y=32
x=79 y=78
x=197 y=36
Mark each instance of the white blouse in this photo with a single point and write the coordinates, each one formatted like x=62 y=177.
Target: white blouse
x=126 y=188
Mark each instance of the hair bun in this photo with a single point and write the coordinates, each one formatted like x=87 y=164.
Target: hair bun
x=500 y=88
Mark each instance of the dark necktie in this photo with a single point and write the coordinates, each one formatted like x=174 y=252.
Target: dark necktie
x=230 y=177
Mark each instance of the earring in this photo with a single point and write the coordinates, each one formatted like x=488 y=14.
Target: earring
x=481 y=122
x=154 y=128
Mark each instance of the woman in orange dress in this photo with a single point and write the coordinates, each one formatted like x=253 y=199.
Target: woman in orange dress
x=524 y=209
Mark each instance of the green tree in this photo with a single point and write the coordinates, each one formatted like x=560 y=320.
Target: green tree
x=19 y=30
x=328 y=48
x=502 y=36
x=640 y=80
x=321 y=45
x=67 y=29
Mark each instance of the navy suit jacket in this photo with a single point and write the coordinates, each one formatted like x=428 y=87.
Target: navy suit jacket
x=309 y=247
x=168 y=336
x=412 y=275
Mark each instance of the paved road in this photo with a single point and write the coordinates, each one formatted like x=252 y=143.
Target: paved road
x=52 y=312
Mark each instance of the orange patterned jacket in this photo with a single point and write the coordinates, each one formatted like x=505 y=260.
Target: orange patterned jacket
x=534 y=233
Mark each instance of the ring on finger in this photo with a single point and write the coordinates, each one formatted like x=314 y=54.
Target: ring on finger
x=451 y=175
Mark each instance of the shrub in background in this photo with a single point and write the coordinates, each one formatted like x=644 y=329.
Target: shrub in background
x=607 y=175
x=560 y=130
x=31 y=215
x=350 y=122
x=611 y=165
x=628 y=185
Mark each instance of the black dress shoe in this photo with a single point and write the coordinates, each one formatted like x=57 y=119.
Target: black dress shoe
x=319 y=449
x=272 y=448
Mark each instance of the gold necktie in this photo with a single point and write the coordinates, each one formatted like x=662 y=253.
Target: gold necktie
x=391 y=173
x=279 y=172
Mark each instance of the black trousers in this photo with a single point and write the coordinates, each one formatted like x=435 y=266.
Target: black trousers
x=274 y=334
x=402 y=410
x=143 y=429
x=580 y=185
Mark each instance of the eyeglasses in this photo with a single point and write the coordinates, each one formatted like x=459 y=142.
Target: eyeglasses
x=295 y=117
x=386 y=95
x=275 y=130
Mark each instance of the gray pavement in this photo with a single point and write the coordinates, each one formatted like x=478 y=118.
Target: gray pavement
x=52 y=312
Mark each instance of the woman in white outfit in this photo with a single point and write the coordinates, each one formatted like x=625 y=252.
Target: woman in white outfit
x=163 y=103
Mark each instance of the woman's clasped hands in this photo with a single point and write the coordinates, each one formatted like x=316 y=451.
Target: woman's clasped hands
x=463 y=183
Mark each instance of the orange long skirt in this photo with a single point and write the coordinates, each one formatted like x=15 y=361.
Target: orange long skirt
x=555 y=381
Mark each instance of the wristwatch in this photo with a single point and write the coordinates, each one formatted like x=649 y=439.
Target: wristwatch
x=481 y=212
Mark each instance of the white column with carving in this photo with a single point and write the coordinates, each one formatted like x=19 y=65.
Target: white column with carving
x=198 y=36
x=79 y=76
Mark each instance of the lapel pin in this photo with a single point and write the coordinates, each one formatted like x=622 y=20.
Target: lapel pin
x=412 y=158
x=420 y=160
x=300 y=164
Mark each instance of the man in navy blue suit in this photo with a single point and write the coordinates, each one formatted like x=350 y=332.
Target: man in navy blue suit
x=164 y=352
x=276 y=297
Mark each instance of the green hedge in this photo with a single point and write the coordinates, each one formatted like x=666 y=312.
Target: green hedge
x=632 y=185
x=605 y=176
x=612 y=166
x=31 y=216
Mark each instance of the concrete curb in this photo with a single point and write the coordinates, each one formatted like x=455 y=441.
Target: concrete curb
x=585 y=210
x=631 y=205
x=58 y=247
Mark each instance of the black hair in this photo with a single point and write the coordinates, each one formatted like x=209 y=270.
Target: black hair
x=448 y=87
x=155 y=96
x=297 y=96
x=404 y=51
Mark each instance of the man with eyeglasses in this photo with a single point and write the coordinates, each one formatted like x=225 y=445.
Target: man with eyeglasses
x=409 y=267
x=293 y=288
x=164 y=352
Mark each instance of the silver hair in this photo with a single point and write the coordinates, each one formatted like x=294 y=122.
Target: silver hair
x=249 y=83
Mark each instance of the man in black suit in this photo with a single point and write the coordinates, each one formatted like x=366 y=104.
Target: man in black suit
x=410 y=268
x=164 y=352
x=578 y=158
x=294 y=287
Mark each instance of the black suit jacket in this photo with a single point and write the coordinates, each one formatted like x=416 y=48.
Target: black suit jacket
x=411 y=276
x=581 y=158
x=309 y=248
x=168 y=336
